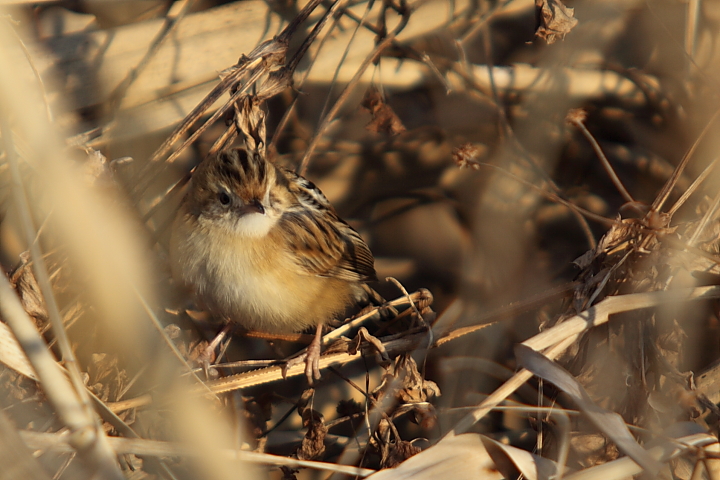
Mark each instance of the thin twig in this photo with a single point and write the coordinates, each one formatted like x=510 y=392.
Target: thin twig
x=344 y=55
x=508 y=311
x=577 y=120
x=341 y=101
x=479 y=24
x=89 y=438
x=140 y=447
x=463 y=69
x=558 y=338
x=551 y=196
x=290 y=110
x=373 y=313
x=170 y=23
x=709 y=215
x=147 y=178
x=694 y=186
x=31 y=63
x=657 y=205
x=263 y=59
x=39 y=266
x=156 y=323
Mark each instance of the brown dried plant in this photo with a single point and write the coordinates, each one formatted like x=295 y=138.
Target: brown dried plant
x=558 y=194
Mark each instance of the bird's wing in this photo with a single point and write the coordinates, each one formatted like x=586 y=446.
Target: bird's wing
x=322 y=243
x=327 y=247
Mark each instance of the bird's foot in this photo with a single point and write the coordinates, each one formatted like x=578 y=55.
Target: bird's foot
x=311 y=358
x=208 y=356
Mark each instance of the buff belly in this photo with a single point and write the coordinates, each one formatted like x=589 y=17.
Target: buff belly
x=255 y=285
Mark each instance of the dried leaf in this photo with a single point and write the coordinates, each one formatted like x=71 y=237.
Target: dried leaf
x=415 y=388
x=12 y=355
x=349 y=407
x=469 y=155
x=625 y=468
x=98 y=172
x=384 y=120
x=576 y=115
x=584 y=260
x=554 y=20
x=313 y=444
x=460 y=457
x=399 y=453
x=364 y=336
x=250 y=121
x=510 y=460
x=257 y=412
x=288 y=473
x=609 y=423
x=105 y=378
x=23 y=279
x=592 y=448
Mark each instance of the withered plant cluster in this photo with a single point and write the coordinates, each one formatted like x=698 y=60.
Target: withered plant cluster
x=537 y=183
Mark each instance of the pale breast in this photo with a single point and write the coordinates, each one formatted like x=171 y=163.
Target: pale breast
x=256 y=283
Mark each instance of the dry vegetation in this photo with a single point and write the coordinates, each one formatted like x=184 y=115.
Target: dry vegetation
x=537 y=184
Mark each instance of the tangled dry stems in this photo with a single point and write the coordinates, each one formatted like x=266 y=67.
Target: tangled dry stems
x=623 y=337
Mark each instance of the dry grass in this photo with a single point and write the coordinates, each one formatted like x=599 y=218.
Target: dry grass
x=478 y=160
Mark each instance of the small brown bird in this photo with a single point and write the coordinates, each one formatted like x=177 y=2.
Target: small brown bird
x=263 y=247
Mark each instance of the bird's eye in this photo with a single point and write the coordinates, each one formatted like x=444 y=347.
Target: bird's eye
x=224 y=198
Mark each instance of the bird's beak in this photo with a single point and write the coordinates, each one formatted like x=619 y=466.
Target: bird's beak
x=254 y=206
